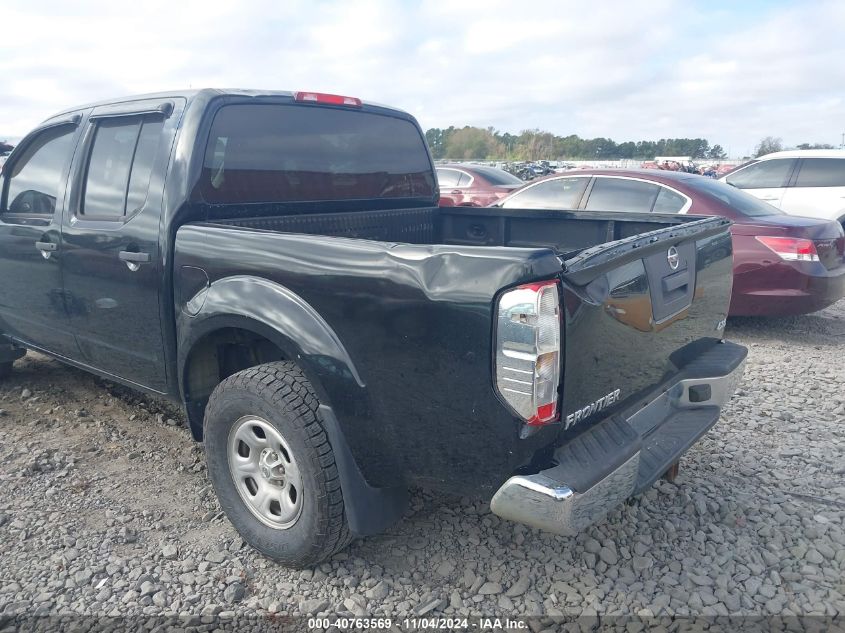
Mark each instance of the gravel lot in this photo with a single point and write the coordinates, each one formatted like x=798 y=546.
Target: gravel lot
x=105 y=509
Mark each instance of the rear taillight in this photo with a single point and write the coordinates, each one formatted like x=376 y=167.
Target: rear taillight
x=323 y=97
x=793 y=249
x=528 y=351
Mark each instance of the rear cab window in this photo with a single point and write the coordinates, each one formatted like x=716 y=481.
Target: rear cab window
x=821 y=172
x=294 y=153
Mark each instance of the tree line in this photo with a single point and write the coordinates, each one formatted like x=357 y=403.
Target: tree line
x=772 y=144
x=491 y=144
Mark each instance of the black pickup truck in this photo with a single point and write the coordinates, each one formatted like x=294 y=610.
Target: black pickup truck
x=277 y=262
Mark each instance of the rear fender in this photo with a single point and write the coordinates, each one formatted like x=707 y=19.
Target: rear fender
x=288 y=321
x=281 y=316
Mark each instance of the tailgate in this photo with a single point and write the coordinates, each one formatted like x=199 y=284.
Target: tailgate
x=637 y=310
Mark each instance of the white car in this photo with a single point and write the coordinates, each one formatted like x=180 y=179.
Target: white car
x=799 y=182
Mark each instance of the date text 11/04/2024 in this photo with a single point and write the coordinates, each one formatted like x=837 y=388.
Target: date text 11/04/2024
x=419 y=624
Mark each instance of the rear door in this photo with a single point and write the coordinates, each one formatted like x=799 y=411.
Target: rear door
x=765 y=179
x=817 y=190
x=32 y=303
x=113 y=273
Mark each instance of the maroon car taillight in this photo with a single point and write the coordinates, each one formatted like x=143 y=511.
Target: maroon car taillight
x=793 y=249
x=528 y=351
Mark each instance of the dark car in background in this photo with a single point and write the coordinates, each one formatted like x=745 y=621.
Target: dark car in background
x=783 y=264
x=474 y=185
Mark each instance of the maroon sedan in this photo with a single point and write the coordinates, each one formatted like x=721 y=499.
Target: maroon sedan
x=783 y=264
x=474 y=185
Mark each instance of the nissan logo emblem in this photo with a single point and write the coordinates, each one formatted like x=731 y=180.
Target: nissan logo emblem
x=673 y=258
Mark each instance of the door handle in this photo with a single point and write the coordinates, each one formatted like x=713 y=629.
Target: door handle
x=133 y=259
x=46 y=248
x=455 y=191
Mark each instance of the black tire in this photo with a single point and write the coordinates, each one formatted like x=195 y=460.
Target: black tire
x=6 y=369
x=281 y=395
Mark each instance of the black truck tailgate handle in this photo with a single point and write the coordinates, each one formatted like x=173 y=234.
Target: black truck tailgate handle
x=673 y=282
x=134 y=257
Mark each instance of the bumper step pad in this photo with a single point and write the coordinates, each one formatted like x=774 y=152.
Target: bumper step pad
x=663 y=447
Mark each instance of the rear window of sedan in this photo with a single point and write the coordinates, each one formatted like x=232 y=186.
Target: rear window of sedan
x=497 y=176
x=741 y=202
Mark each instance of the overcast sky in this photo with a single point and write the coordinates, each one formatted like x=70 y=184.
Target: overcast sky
x=729 y=72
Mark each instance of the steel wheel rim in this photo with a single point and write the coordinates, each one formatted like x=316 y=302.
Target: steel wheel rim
x=265 y=472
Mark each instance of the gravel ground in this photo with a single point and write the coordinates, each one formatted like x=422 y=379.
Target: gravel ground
x=105 y=509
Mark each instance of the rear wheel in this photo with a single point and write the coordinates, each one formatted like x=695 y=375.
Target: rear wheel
x=6 y=369
x=272 y=467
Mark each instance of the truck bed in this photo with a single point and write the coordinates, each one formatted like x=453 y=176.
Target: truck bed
x=410 y=295
x=566 y=232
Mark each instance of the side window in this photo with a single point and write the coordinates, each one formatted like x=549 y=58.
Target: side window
x=619 y=194
x=35 y=178
x=119 y=166
x=762 y=175
x=464 y=180
x=448 y=178
x=668 y=201
x=558 y=193
x=821 y=172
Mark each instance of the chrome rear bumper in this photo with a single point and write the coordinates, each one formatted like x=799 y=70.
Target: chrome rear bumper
x=664 y=429
x=541 y=502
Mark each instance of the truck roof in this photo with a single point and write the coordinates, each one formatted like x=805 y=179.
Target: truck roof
x=191 y=94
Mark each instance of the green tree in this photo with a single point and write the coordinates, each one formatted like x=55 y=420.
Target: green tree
x=814 y=146
x=717 y=152
x=434 y=138
x=768 y=145
x=535 y=145
x=507 y=140
x=473 y=142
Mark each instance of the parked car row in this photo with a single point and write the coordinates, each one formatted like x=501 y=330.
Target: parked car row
x=787 y=261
